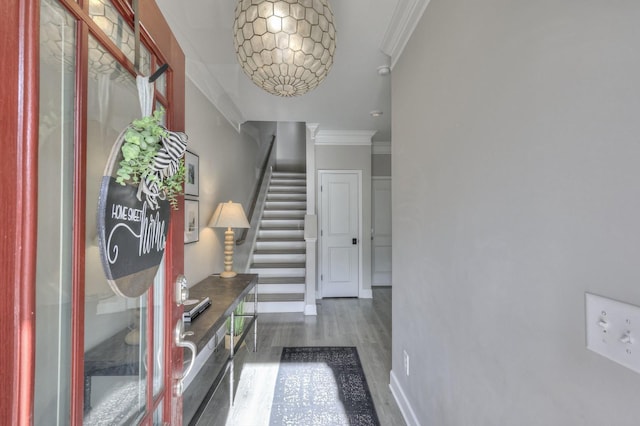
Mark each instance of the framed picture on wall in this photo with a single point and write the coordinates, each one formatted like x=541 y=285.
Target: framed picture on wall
x=192 y=171
x=191 y=221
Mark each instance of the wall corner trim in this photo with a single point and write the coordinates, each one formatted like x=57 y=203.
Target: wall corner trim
x=344 y=137
x=404 y=20
x=403 y=403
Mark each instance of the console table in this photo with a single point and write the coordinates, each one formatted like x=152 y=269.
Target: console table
x=225 y=294
x=113 y=357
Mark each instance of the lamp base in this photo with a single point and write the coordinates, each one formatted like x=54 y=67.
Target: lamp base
x=228 y=255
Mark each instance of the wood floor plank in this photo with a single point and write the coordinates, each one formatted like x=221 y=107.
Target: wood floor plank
x=364 y=323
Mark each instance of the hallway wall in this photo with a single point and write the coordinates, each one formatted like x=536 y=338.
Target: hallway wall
x=291 y=150
x=515 y=191
x=228 y=162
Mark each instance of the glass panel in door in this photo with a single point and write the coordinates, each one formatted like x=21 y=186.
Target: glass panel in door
x=52 y=393
x=112 y=24
x=158 y=331
x=115 y=326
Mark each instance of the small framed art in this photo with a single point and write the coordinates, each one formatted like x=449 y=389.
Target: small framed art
x=191 y=221
x=192 y=172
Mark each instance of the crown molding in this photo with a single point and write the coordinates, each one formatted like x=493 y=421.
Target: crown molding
x=380 y=147
x=312 y=130
x=404 y=20
x=214 y=92
x=344 y=137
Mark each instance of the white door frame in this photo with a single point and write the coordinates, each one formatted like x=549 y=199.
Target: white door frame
x=322 y=172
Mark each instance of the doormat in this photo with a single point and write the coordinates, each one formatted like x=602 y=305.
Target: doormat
x=322 y=386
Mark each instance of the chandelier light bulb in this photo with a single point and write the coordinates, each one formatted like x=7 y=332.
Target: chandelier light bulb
x=286 y=47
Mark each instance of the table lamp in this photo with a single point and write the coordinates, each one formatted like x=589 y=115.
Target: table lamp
x=229 y=215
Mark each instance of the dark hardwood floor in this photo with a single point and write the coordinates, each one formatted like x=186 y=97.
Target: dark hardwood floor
x=364 y=323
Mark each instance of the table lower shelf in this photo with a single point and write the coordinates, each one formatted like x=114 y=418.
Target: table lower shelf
x=220 y=363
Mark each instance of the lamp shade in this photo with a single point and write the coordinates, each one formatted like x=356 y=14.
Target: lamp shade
x=229 y=215
x=285 y=47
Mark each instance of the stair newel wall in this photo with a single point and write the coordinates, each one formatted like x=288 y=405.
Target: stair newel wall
x=311 y=223
x=311 y=240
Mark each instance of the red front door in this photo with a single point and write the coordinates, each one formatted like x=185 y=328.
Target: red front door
x=69 y=89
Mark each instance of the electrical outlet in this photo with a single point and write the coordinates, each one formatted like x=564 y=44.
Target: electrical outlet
x=613 y=330
x=405 y=360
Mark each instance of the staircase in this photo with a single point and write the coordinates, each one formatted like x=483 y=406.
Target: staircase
x=279 y=255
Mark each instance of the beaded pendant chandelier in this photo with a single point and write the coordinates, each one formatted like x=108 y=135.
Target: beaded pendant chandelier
x=286 y=47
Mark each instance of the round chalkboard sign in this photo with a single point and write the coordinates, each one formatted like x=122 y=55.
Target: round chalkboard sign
x=131 y=232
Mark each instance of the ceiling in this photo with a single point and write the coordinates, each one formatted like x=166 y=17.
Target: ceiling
x=342 y=102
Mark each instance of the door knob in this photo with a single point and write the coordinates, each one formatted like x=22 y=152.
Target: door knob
x=354 y=241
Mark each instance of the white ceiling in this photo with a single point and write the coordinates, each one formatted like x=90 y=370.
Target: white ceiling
x=343 y=101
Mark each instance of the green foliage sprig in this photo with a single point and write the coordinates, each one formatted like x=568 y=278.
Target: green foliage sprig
x=174 y=185
x=142 y=141
x=238 y=321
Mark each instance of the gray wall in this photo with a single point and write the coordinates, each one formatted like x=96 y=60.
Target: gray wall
x=381 y=165
x=515 y=190
x=264 y=133
x=352 y=157
x=291 y=151
x=228 y=162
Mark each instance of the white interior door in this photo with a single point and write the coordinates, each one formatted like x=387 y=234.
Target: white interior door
x=381 y=219
x=339 y=234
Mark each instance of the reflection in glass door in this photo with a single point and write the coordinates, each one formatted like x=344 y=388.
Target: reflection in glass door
x=52 y=393
x=93 y=345
x=115 y=340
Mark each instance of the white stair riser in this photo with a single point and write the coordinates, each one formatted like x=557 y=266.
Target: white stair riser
x=286 y=197
x=275 y=181
x=280 y=245
x=296 y=175
x=279 y=258
x=285 y=205
x=280 y=288
x=278 y=272
x=281 y=233
x=298 y=188
x=282 y=223
x=287 y=189
x=294 y=214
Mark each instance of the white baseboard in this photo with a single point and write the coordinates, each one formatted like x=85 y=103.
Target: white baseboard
x=311 y=309
x=403 y=403
x=366 y=293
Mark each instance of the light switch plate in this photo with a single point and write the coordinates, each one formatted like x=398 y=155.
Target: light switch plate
x=613 y=330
